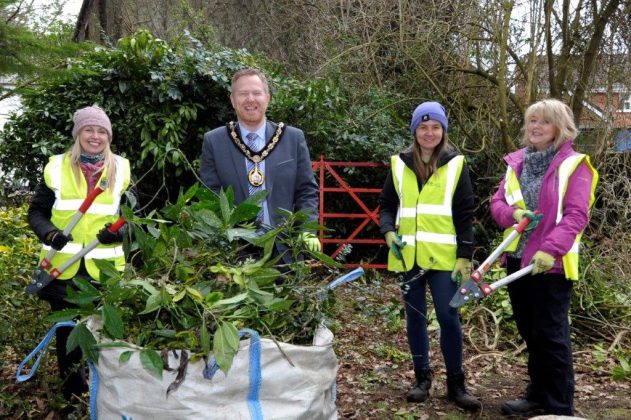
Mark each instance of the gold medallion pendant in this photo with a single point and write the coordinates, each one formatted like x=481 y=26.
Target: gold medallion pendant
x=256 y=178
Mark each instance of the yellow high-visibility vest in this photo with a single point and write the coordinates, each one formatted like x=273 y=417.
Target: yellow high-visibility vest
x=514 y=197
x=69 y=196
x=424 y=218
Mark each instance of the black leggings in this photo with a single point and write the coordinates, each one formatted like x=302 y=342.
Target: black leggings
x=541 y=305
x=414 y=296
x=71 y=371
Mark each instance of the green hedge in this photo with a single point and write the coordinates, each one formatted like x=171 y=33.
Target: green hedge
x=161 y=100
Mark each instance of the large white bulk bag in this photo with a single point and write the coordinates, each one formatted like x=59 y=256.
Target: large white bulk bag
x=261 y=384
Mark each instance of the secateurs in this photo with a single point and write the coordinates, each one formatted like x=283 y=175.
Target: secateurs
x=398 y=253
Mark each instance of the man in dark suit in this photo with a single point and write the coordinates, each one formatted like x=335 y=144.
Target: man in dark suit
x=255 y=154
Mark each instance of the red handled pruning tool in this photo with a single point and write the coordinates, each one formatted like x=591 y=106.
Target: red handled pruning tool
x=45 y=263
x=474 y=288
x=42 y=278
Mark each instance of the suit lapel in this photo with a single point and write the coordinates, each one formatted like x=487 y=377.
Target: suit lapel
x=238 y=160
x=272 y=159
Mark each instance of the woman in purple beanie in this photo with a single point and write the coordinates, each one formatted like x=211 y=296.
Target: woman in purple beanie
x=68 y=179
x=426 y=210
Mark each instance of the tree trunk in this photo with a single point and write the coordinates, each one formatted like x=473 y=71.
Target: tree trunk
x=502 y=82
x=590 y=56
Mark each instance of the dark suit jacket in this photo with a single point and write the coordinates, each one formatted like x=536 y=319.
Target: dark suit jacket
x=289 y=179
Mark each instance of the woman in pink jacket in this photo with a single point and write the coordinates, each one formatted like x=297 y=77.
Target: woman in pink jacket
x=550 y=177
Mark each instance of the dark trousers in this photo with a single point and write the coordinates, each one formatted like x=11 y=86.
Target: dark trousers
x=442 y=289
x=71 y=370
x=541 y=305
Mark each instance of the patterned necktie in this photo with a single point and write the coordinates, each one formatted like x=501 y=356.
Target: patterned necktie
x=252 y=144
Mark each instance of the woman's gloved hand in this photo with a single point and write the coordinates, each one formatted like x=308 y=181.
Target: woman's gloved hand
x=311 y=241
x=519 y=215
x=106 y=237
x=57 y=239
x=395 y=243
x=462 y=270
x=542 y=261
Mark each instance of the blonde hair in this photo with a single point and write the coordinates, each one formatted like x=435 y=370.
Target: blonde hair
x=109 y=164
x=249 y=72
x=425 y=170
x=558 y=114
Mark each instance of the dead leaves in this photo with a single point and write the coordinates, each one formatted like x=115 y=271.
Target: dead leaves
x=370 y=385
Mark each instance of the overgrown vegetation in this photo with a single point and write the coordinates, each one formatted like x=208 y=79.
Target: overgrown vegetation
x=203 y=275
x=19 y=249
x=367 y=66
x=161 y=101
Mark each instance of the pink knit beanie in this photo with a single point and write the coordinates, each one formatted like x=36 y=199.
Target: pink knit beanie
x=90 y=115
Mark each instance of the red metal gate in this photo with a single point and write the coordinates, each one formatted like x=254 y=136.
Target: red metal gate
x=366 y=217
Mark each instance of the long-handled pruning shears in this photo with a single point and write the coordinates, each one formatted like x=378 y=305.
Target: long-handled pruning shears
x=45 y=263
x=42 y=278
x=474 y=288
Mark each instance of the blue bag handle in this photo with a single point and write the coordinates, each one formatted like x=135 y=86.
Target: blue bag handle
x=254 y=403
x=41 y=350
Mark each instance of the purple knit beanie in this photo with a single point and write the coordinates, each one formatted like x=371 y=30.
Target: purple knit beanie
x=91 y=115
x=428 y=111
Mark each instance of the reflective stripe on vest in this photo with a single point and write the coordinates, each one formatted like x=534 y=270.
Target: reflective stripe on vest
x=514 y=197
x=73 y=248
x=425 y=218
x=60 y=178
x=512 y=192
x=566 y=169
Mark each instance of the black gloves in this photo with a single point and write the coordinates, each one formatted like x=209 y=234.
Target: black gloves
x=106 y=237
x=57 y=239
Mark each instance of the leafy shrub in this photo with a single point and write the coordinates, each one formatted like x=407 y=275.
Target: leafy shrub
x=340 y=124
x=197 y=286
x=19 y=249
x=161 y=100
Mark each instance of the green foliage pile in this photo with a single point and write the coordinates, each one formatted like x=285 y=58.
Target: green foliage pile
x=198 y=283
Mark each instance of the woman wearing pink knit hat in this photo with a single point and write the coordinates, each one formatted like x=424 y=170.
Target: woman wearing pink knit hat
x=68 y=179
